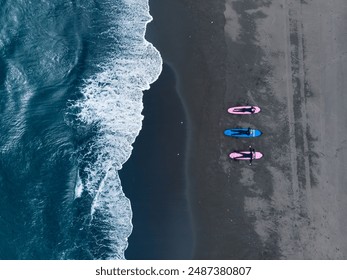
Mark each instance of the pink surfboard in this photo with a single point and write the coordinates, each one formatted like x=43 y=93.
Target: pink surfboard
x=244 y=110
x=239 y=156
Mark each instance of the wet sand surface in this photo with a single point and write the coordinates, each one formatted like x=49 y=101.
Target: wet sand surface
x=153 y=178
x=289 y=58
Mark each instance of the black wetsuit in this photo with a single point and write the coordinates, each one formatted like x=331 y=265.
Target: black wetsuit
x=250 y=110
x=241 y=132
x=248 y=155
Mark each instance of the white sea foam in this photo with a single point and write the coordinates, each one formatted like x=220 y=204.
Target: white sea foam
x=112 y=101
x=78 y=187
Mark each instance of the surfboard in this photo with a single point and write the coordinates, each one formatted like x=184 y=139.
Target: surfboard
x=244 y=110
x=241 y=133
x=239 y=155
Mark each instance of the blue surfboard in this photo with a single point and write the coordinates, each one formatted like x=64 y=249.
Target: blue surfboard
x=242 y=132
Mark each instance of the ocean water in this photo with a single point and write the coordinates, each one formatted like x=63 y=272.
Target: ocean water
x=72 y=76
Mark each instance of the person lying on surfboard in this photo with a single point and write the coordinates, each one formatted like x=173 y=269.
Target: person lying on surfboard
x=250 y=110
x=244 y=110
x=243 y=132
x=249 y=154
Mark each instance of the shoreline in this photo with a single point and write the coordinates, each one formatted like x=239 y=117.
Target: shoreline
x=161 y=225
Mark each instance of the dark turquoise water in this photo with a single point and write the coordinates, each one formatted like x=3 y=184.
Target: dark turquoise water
x=71 y=80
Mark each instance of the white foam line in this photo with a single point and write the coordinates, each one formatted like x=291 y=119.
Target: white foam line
x=113 y=101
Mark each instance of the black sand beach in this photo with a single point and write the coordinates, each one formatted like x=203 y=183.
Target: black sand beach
x=162 y=228
x=196 y=48
x=290 y=204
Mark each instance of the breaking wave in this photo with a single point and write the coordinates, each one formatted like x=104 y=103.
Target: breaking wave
x=110 y=107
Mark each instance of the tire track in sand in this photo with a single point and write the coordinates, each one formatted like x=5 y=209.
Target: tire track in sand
x=298 y=124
